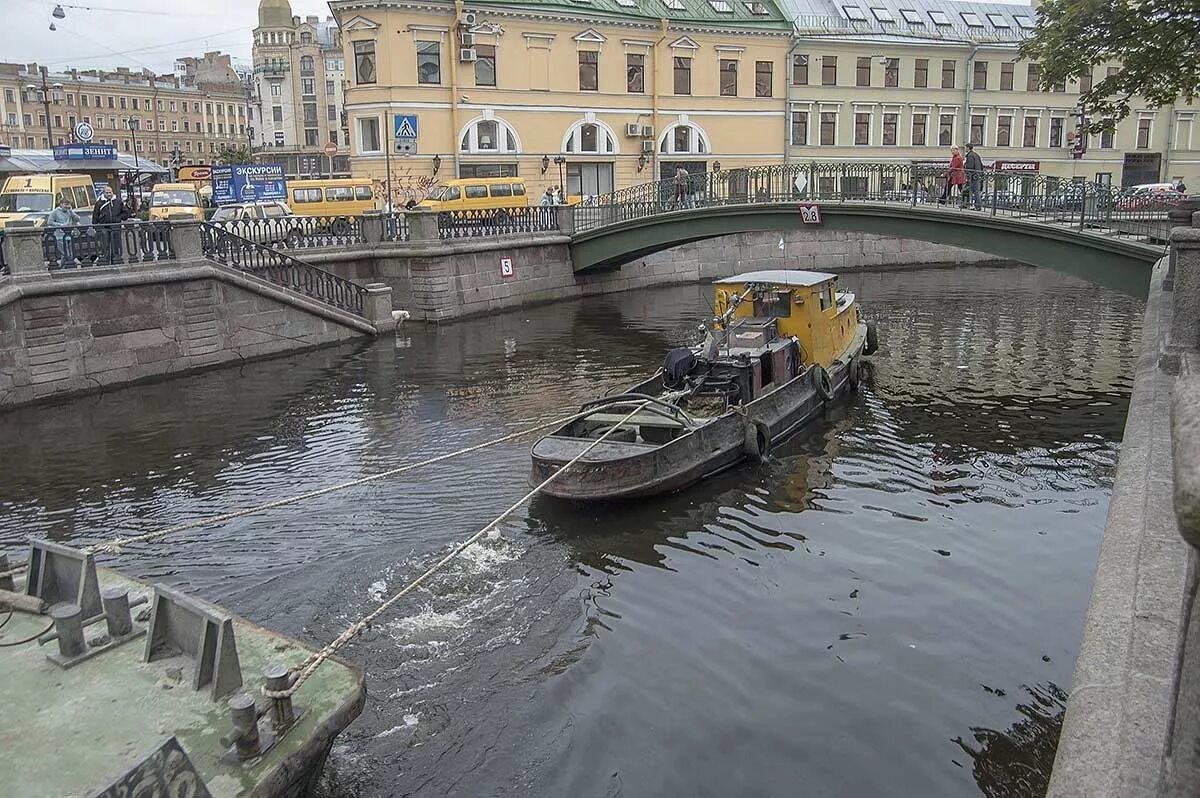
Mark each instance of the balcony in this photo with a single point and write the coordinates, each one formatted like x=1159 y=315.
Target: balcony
x=273 y=69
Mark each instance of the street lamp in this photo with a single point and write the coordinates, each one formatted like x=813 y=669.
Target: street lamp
x=133 y=125
x=437 y=164
x=250 y=142
x=562 y=183
x=545 y=163
x=44 y=88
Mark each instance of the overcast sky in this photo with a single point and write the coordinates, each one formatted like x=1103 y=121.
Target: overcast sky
x=135 y=33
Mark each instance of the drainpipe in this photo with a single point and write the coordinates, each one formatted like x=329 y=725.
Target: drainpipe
x=662 y=26
x=788 y=71
x=1166 y=174
x=454 y=45
x=970 y=80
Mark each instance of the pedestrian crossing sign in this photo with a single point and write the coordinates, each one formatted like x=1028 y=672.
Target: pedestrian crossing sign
x=406 y=127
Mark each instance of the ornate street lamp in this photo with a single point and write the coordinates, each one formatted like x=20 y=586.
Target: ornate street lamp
x=437 y=164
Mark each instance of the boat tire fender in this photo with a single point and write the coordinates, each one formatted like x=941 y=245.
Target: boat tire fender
x=822 y=383
x=758 y=441
x=854 y=372
x=872 y=339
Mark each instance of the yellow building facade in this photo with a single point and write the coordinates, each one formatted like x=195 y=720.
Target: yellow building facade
x=597 y=95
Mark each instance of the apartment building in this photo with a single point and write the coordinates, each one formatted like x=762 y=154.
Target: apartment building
x=299 y=72
x=167 y=119
x=602 y=94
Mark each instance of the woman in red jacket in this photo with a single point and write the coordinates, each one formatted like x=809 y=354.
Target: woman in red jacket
x=956 y=176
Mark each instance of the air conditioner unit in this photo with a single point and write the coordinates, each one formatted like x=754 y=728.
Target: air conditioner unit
x=468 y=18
x=647 y=132
x=467 y=39
x=647 y=146
x=467 y=54
x=633 y=130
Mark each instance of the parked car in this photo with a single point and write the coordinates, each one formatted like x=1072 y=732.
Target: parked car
x=1157 y=197
x=270 y=223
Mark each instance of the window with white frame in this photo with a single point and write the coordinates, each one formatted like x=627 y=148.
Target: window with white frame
x=489 y=136
x=368 y=135
x=683 y=138
x=590 y=137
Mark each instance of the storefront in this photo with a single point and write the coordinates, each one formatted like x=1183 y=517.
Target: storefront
x=1016 y=177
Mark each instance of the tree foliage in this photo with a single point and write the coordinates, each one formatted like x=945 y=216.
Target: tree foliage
x=1156 y=44
x=233 y=155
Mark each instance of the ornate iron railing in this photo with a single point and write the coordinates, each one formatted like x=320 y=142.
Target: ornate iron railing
x=1082 y=205
x=395 y=226
x=85 y=245
x=229 y=249
x=498 y=222
x=297 y=232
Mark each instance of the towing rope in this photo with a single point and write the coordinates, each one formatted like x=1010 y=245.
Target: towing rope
x=302 y=672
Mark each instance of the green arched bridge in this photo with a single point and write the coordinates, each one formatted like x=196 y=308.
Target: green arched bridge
x=1083 y=228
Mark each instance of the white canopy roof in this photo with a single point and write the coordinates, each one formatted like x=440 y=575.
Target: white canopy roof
x=798 y=278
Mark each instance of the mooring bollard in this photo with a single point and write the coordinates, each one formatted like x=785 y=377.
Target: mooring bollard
x=282 y=714
x=244 y=715
x=68 y=626
x=116 y=611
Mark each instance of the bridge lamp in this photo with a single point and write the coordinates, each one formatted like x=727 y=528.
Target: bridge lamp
x=641 y=162
x=545 y=163
x=437 y=163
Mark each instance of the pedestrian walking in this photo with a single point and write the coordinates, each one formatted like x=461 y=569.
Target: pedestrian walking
x=681 y=185
x=548 y=198
x=974 y=171
x=955 y=176
x=1180 y=187
x=59 y=220
x=107 y=216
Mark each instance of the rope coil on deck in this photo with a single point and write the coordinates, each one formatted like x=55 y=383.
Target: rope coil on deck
x=303 y=672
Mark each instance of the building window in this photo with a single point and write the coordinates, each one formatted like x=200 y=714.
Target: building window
x=1111 y=71
x=589 y=70
x=683 y=139
x=800 y=70
x=330 y=90
x=800 y=128
x=1056 y=131
x=729 y=77
x=481 y=170
x=1029 y=136
x=828 y=128
x=1061 y=86
x=1003 y=131
x=979 y=77
x=921 y=73
x=977 y=124
x=1106 y=139
x=1006 y=75
x=306 y=38
x=275 y=90
x=862 y=73
x=589 y=179
x=331 y=113
x=891 y=73
x=1143 y=133
x=489 y=136
x=764 y=78
x=918 y=130
x=429 y=62
x=829 y=70
x=683 y=74
x=277 y=114
x=890 y=123
x=306 y=65
x=946 y=130
x=308 y=87
x=635 y=73
x=312 y=138
x=589 y=137
x=368 y=135
x=485 y=65
x=1033 y=77
x=948 y=66
x=364 y=64
x=862 y=129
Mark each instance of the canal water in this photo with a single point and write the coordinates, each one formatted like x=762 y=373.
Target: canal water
x=890 y=606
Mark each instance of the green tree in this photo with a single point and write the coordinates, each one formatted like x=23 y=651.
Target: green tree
x=233 y=155
x=1155 y=42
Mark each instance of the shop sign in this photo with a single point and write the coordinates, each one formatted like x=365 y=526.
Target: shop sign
x=1029 y=167
x=85 y=152
x=248 y=183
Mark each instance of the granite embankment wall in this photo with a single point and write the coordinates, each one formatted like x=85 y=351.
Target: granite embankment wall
x=465 y=278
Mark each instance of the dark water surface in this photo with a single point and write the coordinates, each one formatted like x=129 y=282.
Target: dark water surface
x=890 y=606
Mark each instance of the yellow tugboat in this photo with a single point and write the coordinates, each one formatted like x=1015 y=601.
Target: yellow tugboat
x=783 y=344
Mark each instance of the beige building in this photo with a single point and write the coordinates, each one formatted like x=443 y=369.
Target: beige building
x=154 y=116
x=299 y=72
x=603 y=94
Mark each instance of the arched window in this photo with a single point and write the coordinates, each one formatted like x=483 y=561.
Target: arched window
x=683 y=138
x=590 y=137
x=484 y=135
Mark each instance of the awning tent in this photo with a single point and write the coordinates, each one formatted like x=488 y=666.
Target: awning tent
x=42 y=161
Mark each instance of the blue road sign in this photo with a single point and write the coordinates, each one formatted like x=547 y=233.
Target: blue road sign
x=405 y=126
x=248 y=183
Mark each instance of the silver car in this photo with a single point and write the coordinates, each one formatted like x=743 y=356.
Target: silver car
x=269 y=222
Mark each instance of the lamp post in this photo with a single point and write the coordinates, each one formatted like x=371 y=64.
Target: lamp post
x=250 y=142
x=562 y=183
x=133 y=125
x=44 y=88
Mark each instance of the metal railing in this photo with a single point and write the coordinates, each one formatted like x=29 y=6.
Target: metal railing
x=1081 y=205
x=86 y=245
x=230 y=249
x=297 y=232
x=3 y=262
x=395 y=226
x=498 y=222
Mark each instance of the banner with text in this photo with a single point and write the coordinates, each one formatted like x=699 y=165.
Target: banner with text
x=248 y=183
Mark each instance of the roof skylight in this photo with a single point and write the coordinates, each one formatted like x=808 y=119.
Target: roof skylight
x=972 y=19
x=721 y=6
x=911 y=16
x=1023 y=22
x=998 y=20
x=882 y=14
x=939 y=18
x=855 y=13
x=674 y=5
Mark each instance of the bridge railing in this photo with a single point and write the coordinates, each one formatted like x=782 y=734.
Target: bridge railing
x=1083 y=205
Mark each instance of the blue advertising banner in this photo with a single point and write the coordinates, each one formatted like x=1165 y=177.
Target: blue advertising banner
x=248 y=183
x=85 y=152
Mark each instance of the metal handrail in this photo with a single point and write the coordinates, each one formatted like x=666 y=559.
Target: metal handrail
x=297 y=232
x=86 y=245
x=500 y=221
x=282 y=269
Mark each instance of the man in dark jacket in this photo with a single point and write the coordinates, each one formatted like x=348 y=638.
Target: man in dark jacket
x=974 y=170
x=107 y=215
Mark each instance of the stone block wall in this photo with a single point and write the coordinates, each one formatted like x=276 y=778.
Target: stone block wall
x=71 y=342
